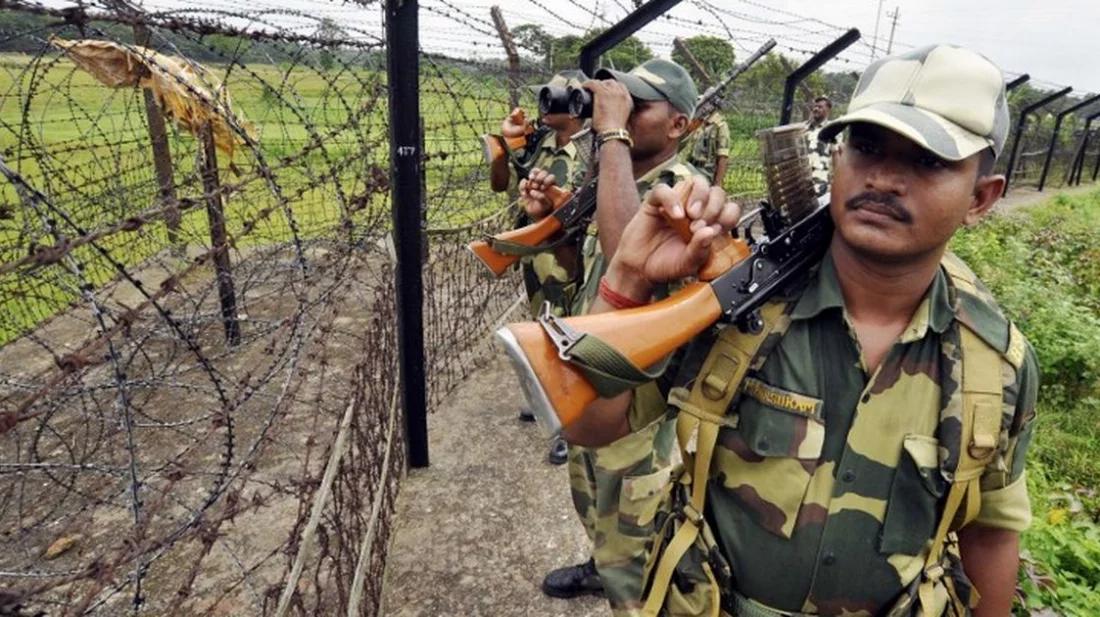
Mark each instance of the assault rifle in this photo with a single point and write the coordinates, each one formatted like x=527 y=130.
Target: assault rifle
x=569 y=211
x=497 y=147
x=553 y=358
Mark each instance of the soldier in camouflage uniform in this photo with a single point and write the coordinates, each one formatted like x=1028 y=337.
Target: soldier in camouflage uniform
x=639 y=119
x=708 y=148
x=889 y=386
x=821 y=152
x=545 y=279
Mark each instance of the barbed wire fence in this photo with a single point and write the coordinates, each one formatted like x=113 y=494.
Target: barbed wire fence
x=198 y=353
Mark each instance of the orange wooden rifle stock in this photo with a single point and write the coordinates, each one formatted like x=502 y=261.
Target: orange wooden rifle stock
x=497 y=147
x=642 y=334
x=531 y=235
x=735 y=281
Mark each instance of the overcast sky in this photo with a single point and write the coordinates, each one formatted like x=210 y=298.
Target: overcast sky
x=1052 y=40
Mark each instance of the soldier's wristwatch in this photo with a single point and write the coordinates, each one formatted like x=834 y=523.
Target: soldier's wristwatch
x=617 y=134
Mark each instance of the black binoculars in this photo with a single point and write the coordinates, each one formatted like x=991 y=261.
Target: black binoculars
x=576 y=102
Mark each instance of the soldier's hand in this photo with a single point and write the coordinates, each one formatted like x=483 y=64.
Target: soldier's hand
x=515 y=125
x=612 y=105
x=532 y=193
x=651 y=252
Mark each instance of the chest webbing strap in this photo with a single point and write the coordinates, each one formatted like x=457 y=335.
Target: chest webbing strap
x=982 y=398
x=701 y=416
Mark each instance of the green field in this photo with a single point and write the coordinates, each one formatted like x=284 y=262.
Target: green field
x=1043 y=265
x=321 y=135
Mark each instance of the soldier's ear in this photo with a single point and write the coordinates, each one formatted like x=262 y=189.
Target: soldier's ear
x=987 y=190
x=679 y=126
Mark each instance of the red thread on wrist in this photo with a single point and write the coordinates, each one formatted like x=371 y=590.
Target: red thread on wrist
x=617 y=300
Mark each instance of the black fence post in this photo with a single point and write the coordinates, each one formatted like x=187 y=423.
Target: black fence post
x=827 y=53
x=621 y=31
x=403 y=71
x=1021 y=124
x=1054 y=136
x=1079 y=161
x=1096 y=168
x=1016 y=83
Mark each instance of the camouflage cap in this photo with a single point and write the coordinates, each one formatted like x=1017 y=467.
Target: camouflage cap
x=948 y=99
x=564 y=79
x=658 y=80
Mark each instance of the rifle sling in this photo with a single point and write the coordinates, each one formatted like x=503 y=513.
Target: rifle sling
x=609 y=372
x=522 y=250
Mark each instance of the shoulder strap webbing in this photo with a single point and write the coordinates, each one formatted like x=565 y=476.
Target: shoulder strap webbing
x=701 y=415
x=982 y=405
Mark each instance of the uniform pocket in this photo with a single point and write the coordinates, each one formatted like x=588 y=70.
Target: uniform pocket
x=768 y=460
x=913 y=509
x=642 y=496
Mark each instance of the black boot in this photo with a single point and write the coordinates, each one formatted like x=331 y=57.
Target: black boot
x=559 y=452
x=573 y=581
x=526 y=415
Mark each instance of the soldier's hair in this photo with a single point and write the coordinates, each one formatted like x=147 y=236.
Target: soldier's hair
x=824 y=98
x=985 y=163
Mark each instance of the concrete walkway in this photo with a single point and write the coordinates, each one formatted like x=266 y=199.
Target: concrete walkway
x=476 y=532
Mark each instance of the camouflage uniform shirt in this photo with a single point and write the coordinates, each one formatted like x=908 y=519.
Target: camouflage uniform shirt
x=544 y=278
x=596 y=474
x=821 y=153
x=707 y=144
x=825 y=496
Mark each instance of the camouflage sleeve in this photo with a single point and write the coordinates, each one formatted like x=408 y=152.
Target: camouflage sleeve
x=723 y=140
x=1005 y=503
x=546 y=280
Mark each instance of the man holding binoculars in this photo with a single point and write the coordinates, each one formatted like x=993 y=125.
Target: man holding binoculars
x=544 y=278
x=638 y=119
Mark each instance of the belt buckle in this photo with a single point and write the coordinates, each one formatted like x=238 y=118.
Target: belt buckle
x=692 y=515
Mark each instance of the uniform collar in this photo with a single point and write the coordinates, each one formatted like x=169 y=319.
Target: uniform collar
x=551 y=144
x=823 y=292
x=650 y=177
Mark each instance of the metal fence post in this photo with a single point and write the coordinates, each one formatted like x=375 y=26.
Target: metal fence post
x=1054 y=136
x=1096 y=168
x=1015 y=83
x=162 y=154
x=621 y=31
x=403 y=70
x=219 y=240
x=827 y=53
x=1021 y=125
x=1079 y=161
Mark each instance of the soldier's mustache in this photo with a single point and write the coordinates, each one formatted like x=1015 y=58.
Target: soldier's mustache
x=883 y=203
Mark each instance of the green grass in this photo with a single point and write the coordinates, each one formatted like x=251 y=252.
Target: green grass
x=1043 y=264
x=86 y=147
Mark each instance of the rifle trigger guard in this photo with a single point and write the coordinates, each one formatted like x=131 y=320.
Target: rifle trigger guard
x=563 y=337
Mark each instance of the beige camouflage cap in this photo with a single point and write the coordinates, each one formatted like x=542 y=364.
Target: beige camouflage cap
x=564 y=79
x=948 y=99
x=658 y=80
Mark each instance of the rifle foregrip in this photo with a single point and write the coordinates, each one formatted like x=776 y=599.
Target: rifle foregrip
x=725 y=251
x=531 y=235
x=558 y=391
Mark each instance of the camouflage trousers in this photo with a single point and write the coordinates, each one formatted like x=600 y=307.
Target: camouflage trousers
x=616 y=490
